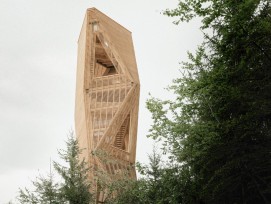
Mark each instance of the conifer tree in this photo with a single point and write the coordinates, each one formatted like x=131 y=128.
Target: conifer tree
x=45 y=191
x=72 y=188
x=219 y=126
x=75 y=187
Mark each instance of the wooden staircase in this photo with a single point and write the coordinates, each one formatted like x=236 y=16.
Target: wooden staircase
x=119 y=141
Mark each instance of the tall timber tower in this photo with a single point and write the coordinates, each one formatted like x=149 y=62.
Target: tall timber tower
x=107 y=94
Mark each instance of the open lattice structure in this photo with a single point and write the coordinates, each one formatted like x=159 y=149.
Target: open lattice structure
x=107 y=94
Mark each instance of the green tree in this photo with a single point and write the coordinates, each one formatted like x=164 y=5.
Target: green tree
x=159 y=183
x=75 y=186
x=72 y=188
x=143 y=190
x=219 y=126
x=112 y=186
x=46 y=191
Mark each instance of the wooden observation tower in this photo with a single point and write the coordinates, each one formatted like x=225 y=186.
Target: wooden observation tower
x=107 y=94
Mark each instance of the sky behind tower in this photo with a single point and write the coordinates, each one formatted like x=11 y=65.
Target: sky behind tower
x=38 y=54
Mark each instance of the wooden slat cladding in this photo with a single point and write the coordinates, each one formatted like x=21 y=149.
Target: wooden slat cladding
x=107 y=97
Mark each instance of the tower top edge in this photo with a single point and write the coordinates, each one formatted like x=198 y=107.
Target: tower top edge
x=93 y=9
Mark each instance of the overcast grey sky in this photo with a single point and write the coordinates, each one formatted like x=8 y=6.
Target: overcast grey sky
x=38 y=51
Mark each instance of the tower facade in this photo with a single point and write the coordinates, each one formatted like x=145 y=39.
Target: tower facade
x=107 y=94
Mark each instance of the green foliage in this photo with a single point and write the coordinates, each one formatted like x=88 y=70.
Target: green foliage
x=73 y=187
x=46 y=191
x=217 y=131
x=158 y=184
x=218 y=127
x=109 y=185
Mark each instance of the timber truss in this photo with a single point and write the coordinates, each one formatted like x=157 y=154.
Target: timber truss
x=107 y=95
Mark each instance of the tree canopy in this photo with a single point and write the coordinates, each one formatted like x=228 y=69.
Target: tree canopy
x=219 y=125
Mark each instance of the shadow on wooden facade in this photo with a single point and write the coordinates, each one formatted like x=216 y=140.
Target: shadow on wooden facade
x=107 y=95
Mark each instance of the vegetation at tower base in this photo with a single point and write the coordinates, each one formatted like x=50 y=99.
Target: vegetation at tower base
x=159 y=182
x=111 y=185
x=217 y=132
x=219 y=126
x=73 y=187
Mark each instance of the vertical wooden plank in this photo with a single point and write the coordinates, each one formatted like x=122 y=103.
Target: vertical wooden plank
x=98 y=102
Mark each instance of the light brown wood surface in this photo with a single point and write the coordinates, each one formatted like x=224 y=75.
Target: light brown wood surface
x=107 y=95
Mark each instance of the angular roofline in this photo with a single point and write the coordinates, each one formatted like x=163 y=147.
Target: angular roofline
x=94 y=9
